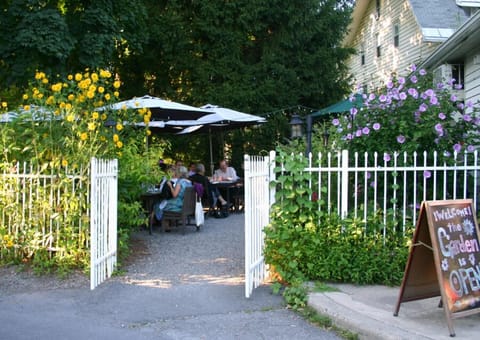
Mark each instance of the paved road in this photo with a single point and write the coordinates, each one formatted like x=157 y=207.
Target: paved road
x=175 y=287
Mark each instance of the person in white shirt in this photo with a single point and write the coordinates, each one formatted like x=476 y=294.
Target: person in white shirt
x=225 y=172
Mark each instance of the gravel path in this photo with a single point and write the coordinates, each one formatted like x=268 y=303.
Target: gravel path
x=216 y=253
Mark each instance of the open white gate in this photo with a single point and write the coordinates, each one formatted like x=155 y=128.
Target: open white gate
x=258 y=199
x=103 y=220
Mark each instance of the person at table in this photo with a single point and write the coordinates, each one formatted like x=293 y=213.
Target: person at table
x=210 y=191
x=192 y=169
x=178 y=191
x=225 y=172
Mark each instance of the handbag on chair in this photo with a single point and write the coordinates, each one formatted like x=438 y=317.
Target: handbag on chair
x=199 y=216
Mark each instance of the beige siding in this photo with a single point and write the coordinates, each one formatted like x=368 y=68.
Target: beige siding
x=393 y=60
x=472 y=77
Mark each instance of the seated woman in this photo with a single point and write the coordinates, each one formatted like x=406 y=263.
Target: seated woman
x=212 y=194
x=178 y=190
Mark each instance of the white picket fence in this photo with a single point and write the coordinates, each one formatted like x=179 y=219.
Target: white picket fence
x=33 y=210
x=103 y=220
x=259 y=196
x=33 y=201
x=393 y=186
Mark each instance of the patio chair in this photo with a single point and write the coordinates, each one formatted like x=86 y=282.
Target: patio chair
x=181 y=218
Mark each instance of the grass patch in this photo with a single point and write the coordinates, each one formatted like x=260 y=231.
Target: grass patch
x=325 y=322
x=321 y=287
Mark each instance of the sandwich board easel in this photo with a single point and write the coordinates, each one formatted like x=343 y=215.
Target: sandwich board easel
x=444 y=259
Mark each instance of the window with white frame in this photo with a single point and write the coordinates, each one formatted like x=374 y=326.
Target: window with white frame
x=362 y=54
x=378 y=45
x=396 y=35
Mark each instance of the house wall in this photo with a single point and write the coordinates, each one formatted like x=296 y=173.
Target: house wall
x=412 y=49
x=472 y=76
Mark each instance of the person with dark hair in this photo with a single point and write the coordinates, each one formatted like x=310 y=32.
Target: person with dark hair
x=211 y=192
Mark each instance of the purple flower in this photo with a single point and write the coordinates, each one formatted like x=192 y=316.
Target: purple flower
x=413 y=79
x=401 y=139
x=442 y=116
x=353 y=111
x=382 y=98
x=402 y=96
x=369 y=175
x=336 y=122
x=470 y=148
x=358 y=133
x=467 y=118
x=439 y=128
x=349 y=136
x=371 y=96
x=386 y=157
x=427 y=174
x=423 y=107
x=430 y=92
x=453 y=98
x=376 y=126
x=372 y=184
x=401 y=80
x=440 y=86
x=433 y=100
x=366 y=130
x=460 y=106
x=413 y=67
x=413 y=92
x=422 y=72
x=469 y=104
x=457 y=147
x=458 y=86
x=389 y=84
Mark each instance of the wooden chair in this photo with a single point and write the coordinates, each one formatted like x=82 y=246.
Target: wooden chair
x=174 y=218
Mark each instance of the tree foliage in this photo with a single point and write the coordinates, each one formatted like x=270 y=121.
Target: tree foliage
x=253 y=56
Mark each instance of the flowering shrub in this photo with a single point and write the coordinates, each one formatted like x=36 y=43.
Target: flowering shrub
x=58 y=129
x=410 y=115
x=60 y=123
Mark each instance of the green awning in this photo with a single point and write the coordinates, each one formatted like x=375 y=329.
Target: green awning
x=342 y=106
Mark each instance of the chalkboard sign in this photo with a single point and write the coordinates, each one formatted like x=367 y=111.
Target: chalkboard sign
x=445 y=259
x=455 y=236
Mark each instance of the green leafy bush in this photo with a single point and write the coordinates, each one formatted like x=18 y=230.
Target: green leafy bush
x=303 y=242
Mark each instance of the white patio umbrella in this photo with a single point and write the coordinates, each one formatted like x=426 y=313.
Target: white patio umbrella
x=162 y=110
x=221 y=118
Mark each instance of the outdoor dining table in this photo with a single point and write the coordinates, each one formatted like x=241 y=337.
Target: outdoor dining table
x=228 y=187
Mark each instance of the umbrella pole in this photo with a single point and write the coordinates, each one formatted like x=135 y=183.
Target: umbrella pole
x=211 y=153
